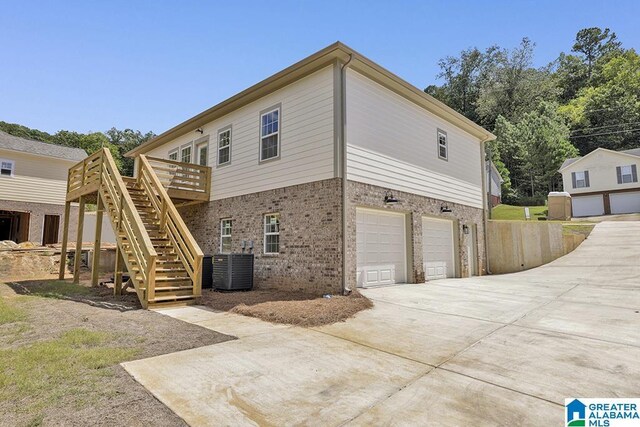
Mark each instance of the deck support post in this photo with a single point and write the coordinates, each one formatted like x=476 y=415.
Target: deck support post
x=117 y=277
x=78 y=255
x=65 y=240
x=95 y=265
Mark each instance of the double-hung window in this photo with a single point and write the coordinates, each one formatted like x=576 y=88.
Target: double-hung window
x=443 y=147
x=202 y=151
x=185 y=153
x=627 y=174
x=581 y=179
x=272 y=233
x=224 y=146
x=270 y=134
x=173 y=154
x=7 y=167
x=225 y=236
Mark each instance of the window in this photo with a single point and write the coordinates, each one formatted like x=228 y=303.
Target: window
x=224 y=146
x=581 y=179
x=173 y=155
x=202 y=152
x=443 y=150
x=7 y=167
x=185 y=154
x=272 y=233
x=627 y=174
x=270 y=134
x=225 y=236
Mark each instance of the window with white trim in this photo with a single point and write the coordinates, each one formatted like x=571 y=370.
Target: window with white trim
x=7 y=167
x=173 y=154
x=224 y=146
x=443 y=148
x=581 y=180
x=226 y=228
x=270 y=134
x=185 y=154
x=202 y=151
x=272 y=233
x=626 y=174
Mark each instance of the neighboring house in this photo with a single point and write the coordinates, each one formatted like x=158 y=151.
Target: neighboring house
x=603 y=182
x=337 y=173
x=33 y=183
x=496 y=181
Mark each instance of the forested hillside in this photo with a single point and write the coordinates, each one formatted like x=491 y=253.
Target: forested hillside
x=587 y=98
x=117 y=141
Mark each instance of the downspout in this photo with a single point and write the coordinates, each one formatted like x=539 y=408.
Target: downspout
x=486 y=203
x=343 y=165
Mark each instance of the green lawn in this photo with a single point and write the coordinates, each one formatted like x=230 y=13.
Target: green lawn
x=516 y=213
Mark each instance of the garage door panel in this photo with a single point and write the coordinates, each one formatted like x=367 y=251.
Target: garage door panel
x=587 y=205
x=624 y=203
x=437 y=248
x=381 y=247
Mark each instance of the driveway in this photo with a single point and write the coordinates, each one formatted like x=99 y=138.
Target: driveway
x=493 y=350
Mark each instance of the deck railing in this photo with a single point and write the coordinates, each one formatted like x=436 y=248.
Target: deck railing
x=182 y=180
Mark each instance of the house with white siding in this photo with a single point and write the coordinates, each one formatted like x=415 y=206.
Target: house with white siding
x=33 y=185
x=603 y=182
x=337 y=174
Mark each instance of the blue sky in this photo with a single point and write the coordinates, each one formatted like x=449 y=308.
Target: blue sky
x=148 y=65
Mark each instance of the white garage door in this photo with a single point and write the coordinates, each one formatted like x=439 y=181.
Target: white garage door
x=381 y=247
x=622 y=203
x=587 y=205
x=437 y=248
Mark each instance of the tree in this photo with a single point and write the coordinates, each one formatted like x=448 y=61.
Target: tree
x=126 y=140
x=594 y=43
x=608 y=114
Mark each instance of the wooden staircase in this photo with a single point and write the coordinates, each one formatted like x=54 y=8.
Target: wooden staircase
x=161 y=256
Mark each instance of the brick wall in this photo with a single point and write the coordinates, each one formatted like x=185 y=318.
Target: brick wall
x=310 y=234
x=37 y=211
x=414 y=206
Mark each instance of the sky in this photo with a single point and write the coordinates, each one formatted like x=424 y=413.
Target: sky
x=148 y=65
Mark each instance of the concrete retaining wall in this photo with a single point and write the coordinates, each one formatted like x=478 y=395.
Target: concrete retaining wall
x=516 y=246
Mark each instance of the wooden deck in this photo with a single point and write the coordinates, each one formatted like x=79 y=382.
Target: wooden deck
x=155 y=246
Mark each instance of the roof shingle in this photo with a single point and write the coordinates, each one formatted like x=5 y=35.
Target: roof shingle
x=15 y=143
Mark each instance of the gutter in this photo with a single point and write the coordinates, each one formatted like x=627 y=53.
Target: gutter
x=343 y=164
x=486 y=202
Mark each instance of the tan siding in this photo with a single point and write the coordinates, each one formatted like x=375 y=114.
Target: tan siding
x=382 y=124
x=36 y=179
x=306 y=150
x=602 y=172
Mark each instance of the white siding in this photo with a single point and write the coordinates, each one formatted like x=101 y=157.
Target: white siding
x=306 y=140
x=601 y=165
x=392 y=142
x=36 y=179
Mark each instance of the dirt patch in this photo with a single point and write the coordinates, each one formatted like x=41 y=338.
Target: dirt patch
x=77 y=348
x=291 y=308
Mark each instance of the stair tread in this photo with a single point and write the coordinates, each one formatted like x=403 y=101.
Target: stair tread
x=171 y=298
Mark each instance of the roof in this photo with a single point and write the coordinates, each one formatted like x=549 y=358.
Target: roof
x=495 y=171
x=335 y=53
x=632 y=152
x=15 y=143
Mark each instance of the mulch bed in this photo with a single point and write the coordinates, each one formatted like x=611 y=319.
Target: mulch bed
x=291 y=308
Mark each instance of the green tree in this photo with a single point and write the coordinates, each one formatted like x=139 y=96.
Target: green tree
x=594 y=43
x=126 y=140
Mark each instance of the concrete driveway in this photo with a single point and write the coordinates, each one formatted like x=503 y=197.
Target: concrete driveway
x=493 y=350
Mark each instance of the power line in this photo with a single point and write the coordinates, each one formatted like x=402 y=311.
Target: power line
x=603 y=133
x=602 y=127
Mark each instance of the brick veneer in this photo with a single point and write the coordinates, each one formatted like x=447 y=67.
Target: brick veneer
x=310 y=257
x=414 y=206
x=37 y=211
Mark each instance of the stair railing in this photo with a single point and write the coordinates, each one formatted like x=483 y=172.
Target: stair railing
x=126 y=220
x=171 y=222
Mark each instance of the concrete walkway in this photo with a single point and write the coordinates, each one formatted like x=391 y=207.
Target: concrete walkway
x=493 y=350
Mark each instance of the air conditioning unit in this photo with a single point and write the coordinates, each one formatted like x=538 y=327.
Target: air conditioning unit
x=233 y=272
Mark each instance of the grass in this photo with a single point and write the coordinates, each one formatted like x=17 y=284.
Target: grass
x=579 y=228
x=70 y=364
x=10 y=313
x=516 y=213
x=58 y=289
